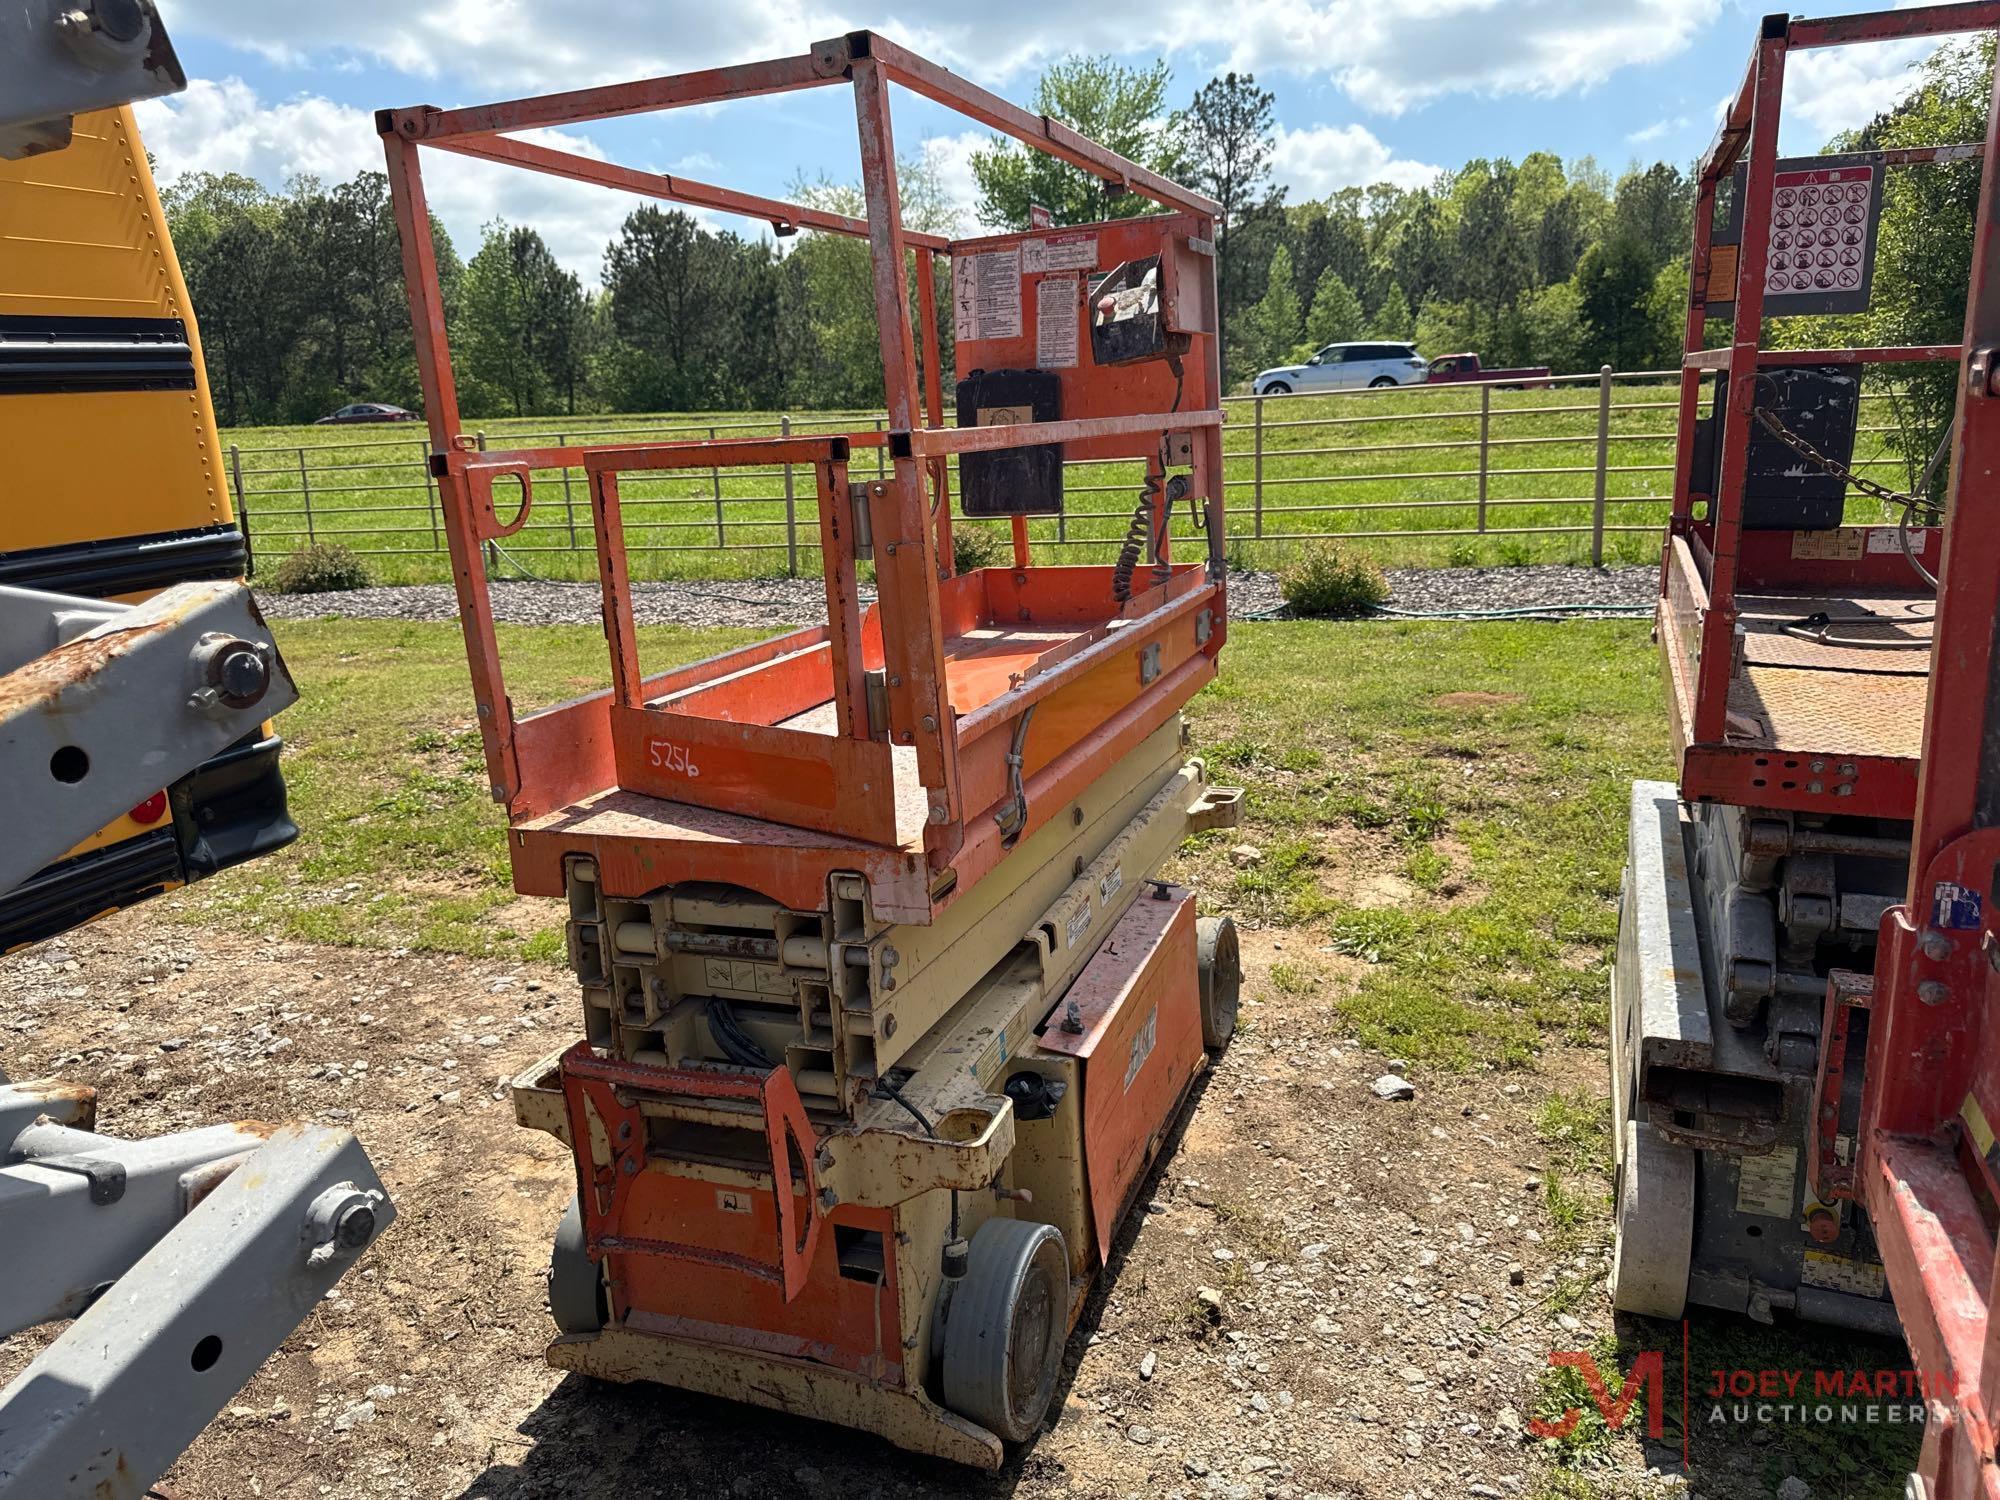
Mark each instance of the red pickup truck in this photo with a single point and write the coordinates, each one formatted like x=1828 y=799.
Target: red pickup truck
x=1450 y=368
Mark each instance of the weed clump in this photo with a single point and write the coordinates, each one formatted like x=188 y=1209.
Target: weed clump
x=1329 y=583
x=978 y=547
x=323 y=568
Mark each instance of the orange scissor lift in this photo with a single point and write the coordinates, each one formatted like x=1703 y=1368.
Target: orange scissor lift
x=885 y=1014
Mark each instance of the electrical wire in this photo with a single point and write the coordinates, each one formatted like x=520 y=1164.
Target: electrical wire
x=737 y=1044
x=1818 y=628
x=883 y=1086
x=1015 y=817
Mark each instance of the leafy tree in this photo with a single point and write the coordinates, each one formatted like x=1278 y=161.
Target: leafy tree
x=1923 y=255
x=1654 y=212
x=1614 y=284
x=1335 y=316
x=1392 y=319
x=1553 y=330
x=1273 y=325
x=523 y=319
x=831 y=350
x=1229 y=133
x=673 y=287
x=1122 y=108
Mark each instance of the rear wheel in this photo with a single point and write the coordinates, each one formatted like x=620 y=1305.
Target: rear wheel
x=576 y=1282
x=1381 y=380
x=1219 y=963
x=1005 y=1327
x=1653 y=1243
x=1277 y=388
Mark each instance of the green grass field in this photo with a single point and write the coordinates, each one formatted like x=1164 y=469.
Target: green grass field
x=1399 y=471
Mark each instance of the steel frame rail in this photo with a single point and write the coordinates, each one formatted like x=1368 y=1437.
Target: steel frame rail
x=1711 y=766
x=1927 y=1165
x=766 y=770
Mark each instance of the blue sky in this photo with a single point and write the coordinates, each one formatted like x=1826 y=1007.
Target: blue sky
x=1366 y=89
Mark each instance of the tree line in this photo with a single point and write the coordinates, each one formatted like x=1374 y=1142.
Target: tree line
x=1542 y=261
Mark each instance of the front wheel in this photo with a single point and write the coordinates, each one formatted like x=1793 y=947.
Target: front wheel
x=1277 y=388
x=1005 y=1326
x=1381 y=380
x=1219 y=966
x=1652 y=1244
x=576 y=1282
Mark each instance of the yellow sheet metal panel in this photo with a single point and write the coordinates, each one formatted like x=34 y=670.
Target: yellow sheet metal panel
x=82 y=235
x=89 y=465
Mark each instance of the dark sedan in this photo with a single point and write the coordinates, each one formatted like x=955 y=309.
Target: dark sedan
x=369 y=411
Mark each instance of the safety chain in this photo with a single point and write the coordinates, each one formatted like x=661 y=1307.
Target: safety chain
x=1925 y=510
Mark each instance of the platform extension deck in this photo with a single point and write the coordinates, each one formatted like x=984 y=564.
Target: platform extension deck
x=1825 y=696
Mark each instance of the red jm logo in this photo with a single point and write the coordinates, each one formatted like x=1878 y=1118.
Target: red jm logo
x=1648 y=1370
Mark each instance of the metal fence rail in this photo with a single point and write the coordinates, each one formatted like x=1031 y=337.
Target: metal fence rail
x=1467 y=461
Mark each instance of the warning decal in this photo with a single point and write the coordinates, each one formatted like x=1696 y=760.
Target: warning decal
x=1820 y=224
x=1058 y=311
x=1768 y=1185
x=1060 y=252
x=1859 y=1278
x=986 y=294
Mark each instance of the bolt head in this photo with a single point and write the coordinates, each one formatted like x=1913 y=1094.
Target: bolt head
x=121 y=20
x=1933 y=991
x=354 y=1226
x=241 y=673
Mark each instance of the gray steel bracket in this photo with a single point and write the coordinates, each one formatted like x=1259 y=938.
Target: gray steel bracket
x=93 y=723
x=109 y=1406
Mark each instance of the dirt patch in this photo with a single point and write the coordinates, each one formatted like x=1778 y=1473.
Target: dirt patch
x=1470 y=700
x=1372 y=1342
x=1382 y=891
x=525 y=916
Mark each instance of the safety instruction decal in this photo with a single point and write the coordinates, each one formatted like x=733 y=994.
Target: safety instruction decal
x=1058 y=311
x=1060 y=252
x=1890 y=539
x=986 y=294
x=1142 y=1045
x=1768 y=1185
x=1836 y=1273
x=1820 y=224
x=1840 y=545
x=1955 y=908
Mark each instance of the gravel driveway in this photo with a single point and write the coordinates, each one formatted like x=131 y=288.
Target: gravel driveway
x=799 y=601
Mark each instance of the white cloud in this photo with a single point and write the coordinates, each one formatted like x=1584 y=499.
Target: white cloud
x=1388 y=57
x=1322 y=159
x=1394 y=57
x=950 y=156
x=226 y=127
x=521 y=45
x=1831 y=89
x=1658 y=130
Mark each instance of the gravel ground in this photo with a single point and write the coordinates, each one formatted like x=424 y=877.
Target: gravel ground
x=798 y=601
x=1385 y=1271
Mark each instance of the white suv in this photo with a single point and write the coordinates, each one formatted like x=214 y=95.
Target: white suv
x=1346 y=367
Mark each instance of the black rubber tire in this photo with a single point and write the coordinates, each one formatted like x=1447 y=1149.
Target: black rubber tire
x=1219 y=964
x=576 y=1283
x=1009 y=1319
x=1381 y=380
x=1277 y=388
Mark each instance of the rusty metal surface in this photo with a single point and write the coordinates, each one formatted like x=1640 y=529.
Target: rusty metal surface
x=1896 y=630
x=906 y=1417
x=1827 y=713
